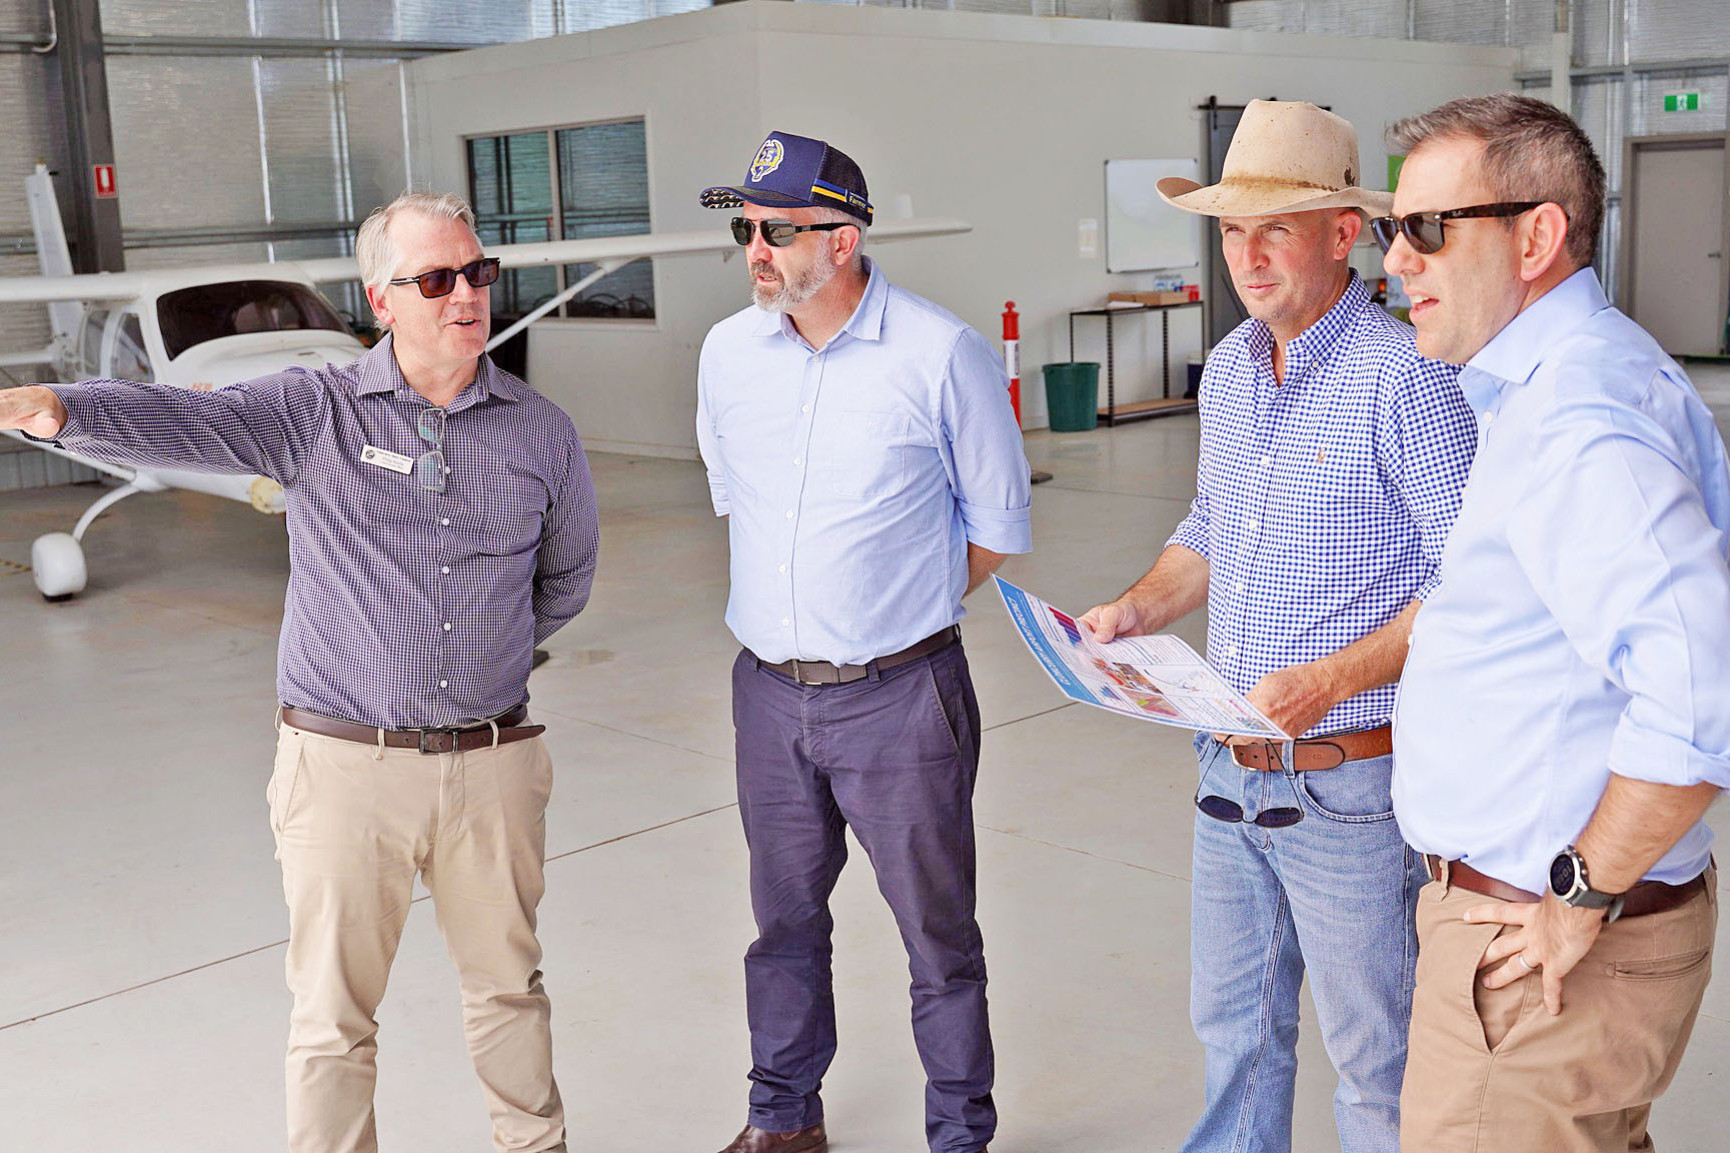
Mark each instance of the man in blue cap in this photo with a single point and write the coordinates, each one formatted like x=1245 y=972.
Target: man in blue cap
x=861 y=444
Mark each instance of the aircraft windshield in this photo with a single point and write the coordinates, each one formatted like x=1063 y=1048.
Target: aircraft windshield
x=204 y=312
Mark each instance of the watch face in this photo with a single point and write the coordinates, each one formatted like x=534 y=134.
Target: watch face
x=1562 y=875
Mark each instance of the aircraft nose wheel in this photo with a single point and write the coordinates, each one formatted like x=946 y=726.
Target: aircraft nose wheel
x=57 y=563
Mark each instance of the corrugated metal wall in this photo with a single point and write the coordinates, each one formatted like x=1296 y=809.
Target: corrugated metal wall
x=283 y=146
x=1627 y=39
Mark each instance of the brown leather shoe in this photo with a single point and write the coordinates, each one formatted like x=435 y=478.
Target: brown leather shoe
x=754 y=1140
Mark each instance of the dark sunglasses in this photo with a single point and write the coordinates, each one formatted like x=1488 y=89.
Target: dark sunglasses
x=429 y=466
x=1221 y=809
x=1229 y=811
x=1427 y=231
x=779 y=233
x=443 y=281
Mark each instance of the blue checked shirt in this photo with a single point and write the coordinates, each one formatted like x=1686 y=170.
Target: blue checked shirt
x=854 y=477
x=406 y=608
x=1322 y=504
x=1582 y=626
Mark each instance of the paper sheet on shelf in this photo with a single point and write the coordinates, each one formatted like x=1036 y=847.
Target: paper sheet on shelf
x=1157 y=678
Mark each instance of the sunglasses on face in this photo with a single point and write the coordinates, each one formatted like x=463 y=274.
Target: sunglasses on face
x=443 y=281
x=1426 y=232
x=778 y=233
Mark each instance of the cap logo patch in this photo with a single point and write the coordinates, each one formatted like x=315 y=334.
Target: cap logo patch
x=769 y=158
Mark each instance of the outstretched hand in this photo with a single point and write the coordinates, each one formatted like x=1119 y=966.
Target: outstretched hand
x=33 y=409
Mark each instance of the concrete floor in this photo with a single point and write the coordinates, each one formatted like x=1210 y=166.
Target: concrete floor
x=141 y=920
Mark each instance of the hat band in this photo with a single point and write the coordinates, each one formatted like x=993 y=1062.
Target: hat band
x=1279 y=182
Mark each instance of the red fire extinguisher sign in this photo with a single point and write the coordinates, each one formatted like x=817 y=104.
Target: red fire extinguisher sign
x=105 y=189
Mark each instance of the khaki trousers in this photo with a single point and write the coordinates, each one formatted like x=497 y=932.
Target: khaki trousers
x=1491 y=1071
x=353 y=827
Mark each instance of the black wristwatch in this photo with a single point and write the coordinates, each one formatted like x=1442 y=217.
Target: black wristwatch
x=1571 y=886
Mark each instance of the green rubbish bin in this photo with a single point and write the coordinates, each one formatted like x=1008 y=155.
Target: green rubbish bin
x=1072 y=395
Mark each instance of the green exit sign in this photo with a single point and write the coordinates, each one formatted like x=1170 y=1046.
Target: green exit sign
x=1681 y=102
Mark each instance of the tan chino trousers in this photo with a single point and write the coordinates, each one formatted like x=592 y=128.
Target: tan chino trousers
x=353 y=827
x=1491 y=1071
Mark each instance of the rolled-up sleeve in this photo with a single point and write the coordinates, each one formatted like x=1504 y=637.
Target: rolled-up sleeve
x=570 y=547
x=1618 y=543
x=1194 y=530
x=988 y=470
x=258 y=426
x=1428 y=440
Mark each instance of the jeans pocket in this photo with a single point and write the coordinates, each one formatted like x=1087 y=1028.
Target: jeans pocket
x=1357 y=792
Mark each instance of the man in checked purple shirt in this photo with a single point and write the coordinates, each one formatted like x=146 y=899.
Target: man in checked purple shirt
x=441 y=523
x=1332 y=461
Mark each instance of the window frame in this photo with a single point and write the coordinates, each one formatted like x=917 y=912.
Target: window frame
x=558 y=317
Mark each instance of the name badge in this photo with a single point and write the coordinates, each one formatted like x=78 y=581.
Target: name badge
x=384 y=458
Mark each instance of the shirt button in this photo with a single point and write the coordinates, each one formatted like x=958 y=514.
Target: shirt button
x=785 y=623
x=446 y=570
x=1238 y=587
x=446 y=521
x=447 y=626
x=805 y=408
x=797 y=461
x=1488 y=417
x=1253 y=522
x=789 y=514
x=783 y=568
x=444 y=684
x=1267 y=462
x=1230 y=650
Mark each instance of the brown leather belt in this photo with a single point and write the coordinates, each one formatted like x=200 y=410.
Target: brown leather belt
x=463 y=739
x=1642 y=900
x=1318 y=753
x=824 y=673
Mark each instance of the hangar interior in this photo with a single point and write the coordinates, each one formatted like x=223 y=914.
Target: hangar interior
x=143 y=1006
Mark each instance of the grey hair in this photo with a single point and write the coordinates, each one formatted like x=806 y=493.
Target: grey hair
x=827 y=215
x=1532 y=151
x=375 y=251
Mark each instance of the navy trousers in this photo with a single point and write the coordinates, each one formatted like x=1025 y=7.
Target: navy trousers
x=894 y=758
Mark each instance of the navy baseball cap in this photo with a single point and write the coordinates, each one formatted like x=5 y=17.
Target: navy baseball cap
x=797 y=172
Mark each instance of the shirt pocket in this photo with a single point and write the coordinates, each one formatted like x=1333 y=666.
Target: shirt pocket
x=867 y=454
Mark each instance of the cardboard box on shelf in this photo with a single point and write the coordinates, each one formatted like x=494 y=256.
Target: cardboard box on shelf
x=1150 y=297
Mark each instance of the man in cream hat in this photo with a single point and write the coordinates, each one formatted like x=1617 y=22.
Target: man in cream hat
x=1332 y=460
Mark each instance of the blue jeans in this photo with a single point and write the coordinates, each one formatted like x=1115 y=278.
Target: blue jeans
x=1336 y=893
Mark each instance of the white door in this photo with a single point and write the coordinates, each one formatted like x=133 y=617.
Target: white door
x=1677 y=250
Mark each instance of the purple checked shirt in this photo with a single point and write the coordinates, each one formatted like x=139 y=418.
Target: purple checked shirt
x=406 y=608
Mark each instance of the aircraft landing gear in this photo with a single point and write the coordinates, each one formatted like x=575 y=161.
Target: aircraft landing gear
x=57 y=558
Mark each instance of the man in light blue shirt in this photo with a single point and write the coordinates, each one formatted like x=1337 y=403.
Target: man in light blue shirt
x=1563 y=722
x=861 y=443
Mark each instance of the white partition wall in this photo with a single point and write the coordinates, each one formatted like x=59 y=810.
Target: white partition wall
x=1004 y=121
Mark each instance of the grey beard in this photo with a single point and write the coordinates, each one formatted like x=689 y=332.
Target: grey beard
x=795 y=292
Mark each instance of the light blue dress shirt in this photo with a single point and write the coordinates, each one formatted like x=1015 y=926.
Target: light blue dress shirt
x=1582 y=624
x=854 y=476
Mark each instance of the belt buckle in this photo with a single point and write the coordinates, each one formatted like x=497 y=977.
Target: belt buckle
x=423 y=734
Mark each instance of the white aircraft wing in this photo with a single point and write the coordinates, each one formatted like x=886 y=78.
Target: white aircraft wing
x=83 y=286
x=617 y=250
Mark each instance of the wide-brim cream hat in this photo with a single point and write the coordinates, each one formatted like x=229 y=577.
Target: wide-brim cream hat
x=1286 y=156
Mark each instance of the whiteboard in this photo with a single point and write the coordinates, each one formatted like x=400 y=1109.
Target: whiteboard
x=1143 y=232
